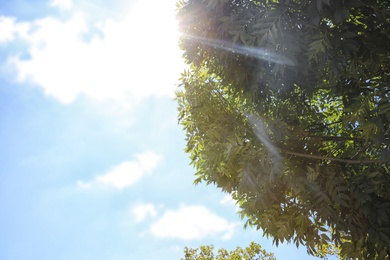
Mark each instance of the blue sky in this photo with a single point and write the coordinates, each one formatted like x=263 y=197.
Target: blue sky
x=92 y=161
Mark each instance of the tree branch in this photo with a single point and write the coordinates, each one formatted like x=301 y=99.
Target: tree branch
x=349 y=161
x=339 y=138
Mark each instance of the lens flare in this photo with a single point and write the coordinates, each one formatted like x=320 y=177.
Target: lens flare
x=256 y=52
x=260 y=131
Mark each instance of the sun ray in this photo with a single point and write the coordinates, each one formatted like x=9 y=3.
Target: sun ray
x=256 y=52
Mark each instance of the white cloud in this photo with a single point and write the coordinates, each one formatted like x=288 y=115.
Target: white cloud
x=7 y=27
x=62 y=4
x=10 y=29
x=125 y=174
x=191 y=222
x=135 y=57
x=141 y=211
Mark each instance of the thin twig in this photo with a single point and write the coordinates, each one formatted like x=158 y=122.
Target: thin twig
x=349 y=161
x=338 y=138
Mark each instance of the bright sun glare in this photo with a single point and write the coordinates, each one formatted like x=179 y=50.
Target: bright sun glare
x=146 y=43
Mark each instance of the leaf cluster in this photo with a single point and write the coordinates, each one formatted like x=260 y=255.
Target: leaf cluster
x=252 y=252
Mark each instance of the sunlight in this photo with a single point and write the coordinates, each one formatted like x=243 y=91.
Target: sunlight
x=155 y=43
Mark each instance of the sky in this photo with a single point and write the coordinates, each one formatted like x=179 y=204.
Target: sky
x=92 y=161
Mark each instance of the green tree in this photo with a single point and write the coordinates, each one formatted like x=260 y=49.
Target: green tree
x=252 y=252
x=286 y=106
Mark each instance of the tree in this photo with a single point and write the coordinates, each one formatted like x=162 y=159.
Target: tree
x=252 y=252
x=286 y=106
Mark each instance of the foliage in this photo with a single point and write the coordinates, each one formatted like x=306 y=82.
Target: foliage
x=326 y=250
x=252 y=252
x=286 y=106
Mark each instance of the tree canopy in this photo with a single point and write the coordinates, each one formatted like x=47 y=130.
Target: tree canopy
x=252 y=252
x=286 y=106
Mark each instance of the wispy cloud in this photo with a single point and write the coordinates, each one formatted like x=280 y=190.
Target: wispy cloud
x=141 y=211
x=62 y=4
x=126 y=173
x=191 y=223
x=228 y=200
x=116 y=59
